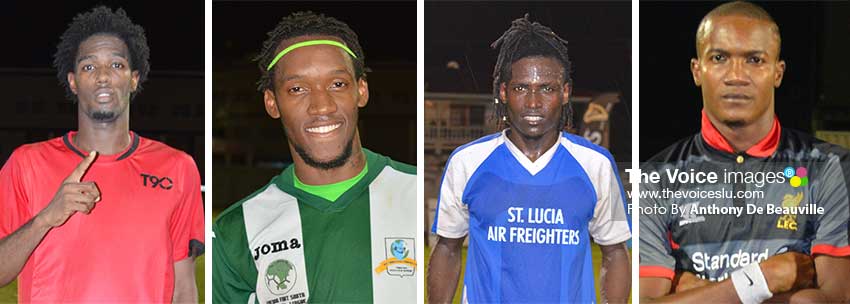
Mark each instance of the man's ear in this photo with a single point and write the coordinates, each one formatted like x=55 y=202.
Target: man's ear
x=502 y=93
x=780 y=72
x=363 y=92
x=695 y=71
x=566 y=93
x=72 y=83
x=271 y=104
x=134 y=81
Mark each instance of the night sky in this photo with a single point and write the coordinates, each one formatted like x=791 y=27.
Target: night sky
x=31 y=31
x=599 y=36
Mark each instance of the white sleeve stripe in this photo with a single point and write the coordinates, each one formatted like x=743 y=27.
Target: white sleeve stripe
x=609 y=223
x=452 y=218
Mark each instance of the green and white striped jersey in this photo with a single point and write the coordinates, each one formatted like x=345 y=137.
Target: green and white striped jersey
x=284 y=245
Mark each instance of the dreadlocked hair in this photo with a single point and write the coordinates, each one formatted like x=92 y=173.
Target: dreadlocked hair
x=528 y=39
x=303 y=24
x=101 y=20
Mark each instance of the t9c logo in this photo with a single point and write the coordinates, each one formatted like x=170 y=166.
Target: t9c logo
x=161 y=182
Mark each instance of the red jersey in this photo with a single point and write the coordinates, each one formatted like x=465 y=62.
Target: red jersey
x=150 y=216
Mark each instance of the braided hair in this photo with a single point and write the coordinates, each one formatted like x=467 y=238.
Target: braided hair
x=303 y=24
x=101 y=20
x=528 y=39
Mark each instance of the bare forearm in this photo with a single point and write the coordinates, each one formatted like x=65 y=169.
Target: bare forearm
x=615 y=274
x=185 y=290
x=718 y=292
x=16 y=248
x=443 y=273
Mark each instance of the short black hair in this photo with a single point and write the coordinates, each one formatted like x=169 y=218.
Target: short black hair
x=737 y=8
x=303 y=24
x=101 y=20
x=528 y=39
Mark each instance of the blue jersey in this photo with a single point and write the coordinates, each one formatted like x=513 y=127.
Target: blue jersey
x=530 y=223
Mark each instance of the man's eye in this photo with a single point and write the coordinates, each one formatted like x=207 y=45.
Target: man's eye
x=519 y=89
x=547 y=89
x=296 y=90
x=117 y=65
x=755 y=60
x=718 y=58
x=88 y=67
x=339 y=84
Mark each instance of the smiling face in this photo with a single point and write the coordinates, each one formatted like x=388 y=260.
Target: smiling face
x=316 y=95
x=102 y=79
x=535 y=96
x=738 y=68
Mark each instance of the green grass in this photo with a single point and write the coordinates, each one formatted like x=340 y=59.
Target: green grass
x=597 y=260
x=9 y=293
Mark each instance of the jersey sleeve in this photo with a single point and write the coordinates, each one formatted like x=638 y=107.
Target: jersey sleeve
x=609 y=224
x=831 y=237
x=14 y=201
x=656 y=252
x=187 y=220
x=228 y=286
x=452 y=218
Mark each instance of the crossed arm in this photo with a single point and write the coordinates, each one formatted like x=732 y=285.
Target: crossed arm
x=789 y=276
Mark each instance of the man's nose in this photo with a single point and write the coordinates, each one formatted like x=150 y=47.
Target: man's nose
x=737 y=75
x=101 y=76
x=321 y=103
x=535 y=99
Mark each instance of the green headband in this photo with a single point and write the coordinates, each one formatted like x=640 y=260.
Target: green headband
x=309 y=43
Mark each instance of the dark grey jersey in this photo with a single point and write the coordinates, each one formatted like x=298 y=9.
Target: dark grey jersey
x=722 y=211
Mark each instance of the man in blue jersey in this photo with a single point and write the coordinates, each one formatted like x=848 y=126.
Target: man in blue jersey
x=530 y=197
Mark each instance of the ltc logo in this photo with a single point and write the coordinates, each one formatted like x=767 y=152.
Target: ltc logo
x=399 y=260
x=161 y=182
x=789 y=221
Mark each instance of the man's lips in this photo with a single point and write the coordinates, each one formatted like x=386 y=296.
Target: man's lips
x=323 y=129
x=736 y=96
x=104 y=95
x=532 y=118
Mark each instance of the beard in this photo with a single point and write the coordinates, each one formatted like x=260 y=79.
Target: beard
x=336 y=162
x=103 y=116
x=734 y=123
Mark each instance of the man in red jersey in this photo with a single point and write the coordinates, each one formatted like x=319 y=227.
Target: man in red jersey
x=101 y=214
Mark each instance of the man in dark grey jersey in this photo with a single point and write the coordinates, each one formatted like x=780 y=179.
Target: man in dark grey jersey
x=761 y=205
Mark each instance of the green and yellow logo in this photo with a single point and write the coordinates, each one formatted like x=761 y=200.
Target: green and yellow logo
x=280 y=277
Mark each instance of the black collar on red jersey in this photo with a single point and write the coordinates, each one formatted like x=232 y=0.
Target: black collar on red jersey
x=764 y=148
x=133 y=145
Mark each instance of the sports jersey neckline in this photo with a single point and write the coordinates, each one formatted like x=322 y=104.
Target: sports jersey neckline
x=764 y=148
x=286 y=182
x=533 y=167
x=67 y=139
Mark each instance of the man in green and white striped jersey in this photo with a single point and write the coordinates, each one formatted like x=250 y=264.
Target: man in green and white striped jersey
x=339 y=224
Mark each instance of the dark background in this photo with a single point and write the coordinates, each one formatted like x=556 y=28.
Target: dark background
x=599 y=36
x=170 y=108
x=249 y=147
x=813 y=94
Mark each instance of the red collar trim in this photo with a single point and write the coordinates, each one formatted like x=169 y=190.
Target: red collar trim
x=764 y=148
